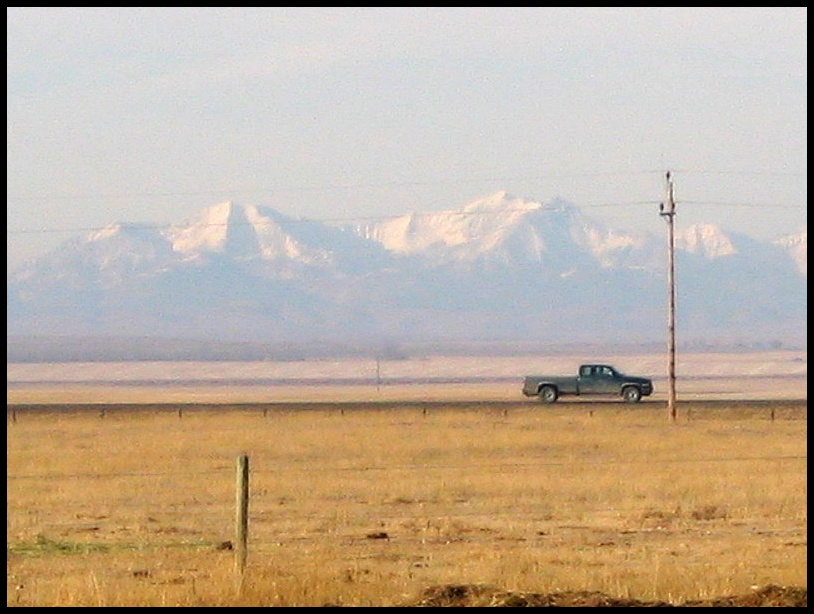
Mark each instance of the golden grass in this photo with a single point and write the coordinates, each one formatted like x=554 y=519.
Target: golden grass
x=354 y=505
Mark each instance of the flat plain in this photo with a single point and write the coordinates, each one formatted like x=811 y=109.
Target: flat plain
x=395 y=483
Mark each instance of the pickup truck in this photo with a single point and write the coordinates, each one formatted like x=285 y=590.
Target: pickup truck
x=592 y=379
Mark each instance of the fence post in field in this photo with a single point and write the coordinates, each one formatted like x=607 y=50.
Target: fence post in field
x=242 y=514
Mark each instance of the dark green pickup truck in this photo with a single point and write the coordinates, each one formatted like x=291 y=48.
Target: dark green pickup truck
x=590 y=380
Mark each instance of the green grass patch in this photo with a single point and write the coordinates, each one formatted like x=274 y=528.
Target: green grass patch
x=44 y=546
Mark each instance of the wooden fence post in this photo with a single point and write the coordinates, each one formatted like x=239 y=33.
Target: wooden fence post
x=242 y=514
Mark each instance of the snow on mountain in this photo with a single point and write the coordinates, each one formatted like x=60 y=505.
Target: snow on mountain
x=477 y=227
x=111 y=253
x=216 y=229
x=501 y=266
x=712 y=243
x=252 y=233
x=507 y=229
x=707 y=243
x=796 y=245
x=242 y=232
x=705 y=240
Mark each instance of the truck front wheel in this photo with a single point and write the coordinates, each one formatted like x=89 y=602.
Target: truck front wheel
x=548 y=394
x=631 y=394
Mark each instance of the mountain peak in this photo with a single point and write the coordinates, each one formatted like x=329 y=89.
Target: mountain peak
x=118 y=229
x=799 y=238
x=224 y=213
x=796 y=245
x=246 y=232
x=106 y=232
x=225 y=227
x=501 y=200
x=706 y=240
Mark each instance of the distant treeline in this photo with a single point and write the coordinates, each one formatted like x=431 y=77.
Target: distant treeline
x=116 y=349
x=119 y=349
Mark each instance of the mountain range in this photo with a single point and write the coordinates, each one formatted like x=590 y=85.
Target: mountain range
x=500 y=269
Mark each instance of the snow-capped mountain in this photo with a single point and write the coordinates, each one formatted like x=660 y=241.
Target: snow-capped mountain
x=246 y=233
x=796 y=245
x=509 y=230
x=501 y=267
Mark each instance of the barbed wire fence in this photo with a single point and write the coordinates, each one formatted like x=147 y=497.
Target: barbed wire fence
x=249 y=496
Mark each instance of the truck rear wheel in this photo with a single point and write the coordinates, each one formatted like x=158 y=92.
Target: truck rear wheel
x=631 y=394
x=548 y=394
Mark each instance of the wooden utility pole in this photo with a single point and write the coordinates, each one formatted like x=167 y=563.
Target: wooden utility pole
x=668 y=211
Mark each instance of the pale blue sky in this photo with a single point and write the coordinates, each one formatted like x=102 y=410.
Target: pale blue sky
x=151 y=114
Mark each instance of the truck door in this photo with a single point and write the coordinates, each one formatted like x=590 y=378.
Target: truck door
x=589 y=380
x=605 y=381
x=585 y=379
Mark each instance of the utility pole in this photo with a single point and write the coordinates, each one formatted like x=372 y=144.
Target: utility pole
x=668 y=211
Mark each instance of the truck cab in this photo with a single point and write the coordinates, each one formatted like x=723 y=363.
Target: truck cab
x=598 y=379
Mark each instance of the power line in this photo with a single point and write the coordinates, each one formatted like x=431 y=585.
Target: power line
x=145 y=226
x=734 y=204
x=359 y=219
x=744 y=173
x=273 y=190
x=398 y=184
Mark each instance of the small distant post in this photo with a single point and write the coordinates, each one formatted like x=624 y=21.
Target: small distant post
x=242 y=514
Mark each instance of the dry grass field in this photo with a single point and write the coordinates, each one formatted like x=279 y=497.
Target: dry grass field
x=399 y=494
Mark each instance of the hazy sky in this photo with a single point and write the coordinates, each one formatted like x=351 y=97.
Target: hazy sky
x=150 y=114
